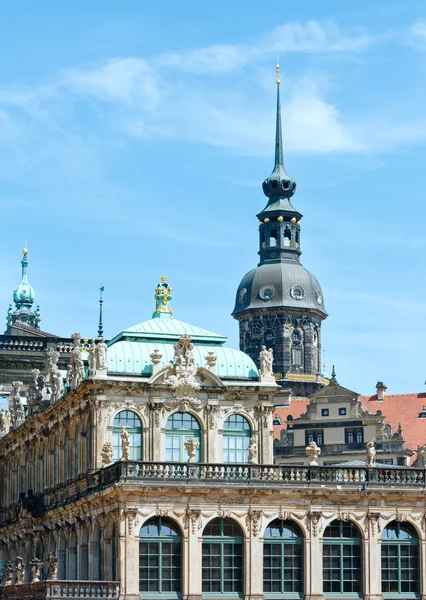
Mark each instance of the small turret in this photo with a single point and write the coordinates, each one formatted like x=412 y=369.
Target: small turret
x=163 y=296
x=23 y=297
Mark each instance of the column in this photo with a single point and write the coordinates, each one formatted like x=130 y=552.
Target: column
x=253 y=571
x=128 y=561
x=313 y=561
x=422 y=549
x=191 y=557
x=372 y=559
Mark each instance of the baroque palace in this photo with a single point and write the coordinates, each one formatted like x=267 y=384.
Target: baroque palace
x=144 y=468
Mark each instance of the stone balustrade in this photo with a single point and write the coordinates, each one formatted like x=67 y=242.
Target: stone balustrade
x=28 y=344
x=231 y=474
x=64 y=590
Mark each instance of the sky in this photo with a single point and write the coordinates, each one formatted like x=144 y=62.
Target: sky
x=134 y=138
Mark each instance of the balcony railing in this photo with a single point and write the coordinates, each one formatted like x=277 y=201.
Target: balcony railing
x=64 y=590
x=171 y=473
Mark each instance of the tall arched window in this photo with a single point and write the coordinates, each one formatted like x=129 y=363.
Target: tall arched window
x=160 y=558
x=236 y=439
x=133 y=426
x=181 y=427
x=222 y=563
x=76 y=453
x=400 y=560
x=283 y=559
x=65 y=458
x=88 y=443
x=342 y=559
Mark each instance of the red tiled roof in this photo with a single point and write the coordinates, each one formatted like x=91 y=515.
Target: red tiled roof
x=396 y=408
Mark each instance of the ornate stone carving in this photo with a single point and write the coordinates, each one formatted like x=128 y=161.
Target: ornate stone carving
x=92 y=358
x=19 y=570
x=101 y=357
x=314 y=521
x=192 y=446
x=17 y=414
x=193 y=518
x=35 y=570
x=106 y=454
x=313 y=451
x=371 y=454
x=77 y=365
x=266 y=359
x=183 y=380
x=125 y=444
x=52 y=568
x=35 y=389
x=184 y=352
x=254 y=521
x=131 y=514
x=211 y=360
x=252 y=451
x=8 y=573
x=373 y=519
x=55 y=377
x=157 y=408
x=5 y=420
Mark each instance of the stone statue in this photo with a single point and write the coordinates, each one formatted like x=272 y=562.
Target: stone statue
x=163 y=295
x=313 y=452
x=252 y=451
x=106 y=454
x=9 y=316
x=4 y=421
x=55 y=377
x=191 y=446
x=211 y=360
x=125 y=444
x=92 y=359
x=32 y=395
x=77 y=365
x=68 y=379
x=266 y=359
x=371 y=454
x=19 y=571
x=8 y=573
x=35 y=570
x=17 y=413
x=184 y=352
x=52 y=570
x=101 y=356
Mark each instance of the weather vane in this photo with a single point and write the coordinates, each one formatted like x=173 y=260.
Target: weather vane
x=277 y=71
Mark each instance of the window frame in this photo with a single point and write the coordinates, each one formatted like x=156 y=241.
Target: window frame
x=136 y=451
x=342 y=542
x=284 y=541
x=399 y=543
x=183 y=434
x=239 y=435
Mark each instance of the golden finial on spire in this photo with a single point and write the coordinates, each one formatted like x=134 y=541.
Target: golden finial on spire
x=25 y=251
x=163 y=278
x=277 y=71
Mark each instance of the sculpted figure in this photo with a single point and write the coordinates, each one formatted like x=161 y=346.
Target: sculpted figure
x=19 y=571
x=371 y=454
x=266 y=359
x=8 y=573
x=125 y=444
x=92 y=359
x=16 y=409
x=313 y=451
x=106 y=454
x=77 y=364
x=191 y=446
x=4 y=421
x=101 y=353
x=68 y=380
x=32 y=396
x=55 y=377
x=35 y=570
x=52 y=570
x=252 y=451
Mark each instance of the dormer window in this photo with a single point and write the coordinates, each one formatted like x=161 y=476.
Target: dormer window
x=422 y=413
x=276 y=421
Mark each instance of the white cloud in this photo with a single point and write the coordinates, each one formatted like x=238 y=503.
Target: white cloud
x=418 y=32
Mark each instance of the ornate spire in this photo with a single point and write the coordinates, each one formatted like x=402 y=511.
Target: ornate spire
x=23 y=298
x=163 y=295
x=279 y=183
x=100 y=326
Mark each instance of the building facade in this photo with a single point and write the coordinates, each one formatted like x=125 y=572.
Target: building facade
x=153 y=477
x=280 y=304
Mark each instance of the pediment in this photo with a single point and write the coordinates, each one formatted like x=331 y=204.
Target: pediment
x=334 y=390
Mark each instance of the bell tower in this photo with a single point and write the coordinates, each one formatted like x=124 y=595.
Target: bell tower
x=280 y=304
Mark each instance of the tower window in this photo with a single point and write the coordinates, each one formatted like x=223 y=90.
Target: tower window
x=287 y=237
x=273 y=238
x=296 y=357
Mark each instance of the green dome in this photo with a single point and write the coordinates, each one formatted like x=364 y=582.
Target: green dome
x=24 y=295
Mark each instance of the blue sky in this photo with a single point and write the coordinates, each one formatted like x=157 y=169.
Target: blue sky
x=134 y=139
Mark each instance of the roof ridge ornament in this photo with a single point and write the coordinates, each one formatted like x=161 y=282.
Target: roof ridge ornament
x=163 y=296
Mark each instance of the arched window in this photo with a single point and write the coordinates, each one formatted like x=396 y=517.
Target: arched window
x=222 y=566
x=133 y=426
x=160 y=558
x=400 y=560
x=287 y=237
x=75 y=453
x=273 y=238
x=342 y=559
x=283 y=559
x=88 y=443
x=65 y=458
x=236 y=439
x=181 y=427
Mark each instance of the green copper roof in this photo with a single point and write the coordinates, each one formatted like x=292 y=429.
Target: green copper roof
x=133 y=358
x=168 y=330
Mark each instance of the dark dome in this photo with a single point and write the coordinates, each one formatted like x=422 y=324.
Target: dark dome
x=276 y=285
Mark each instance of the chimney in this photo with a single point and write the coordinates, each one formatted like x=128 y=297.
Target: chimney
x=381 y=389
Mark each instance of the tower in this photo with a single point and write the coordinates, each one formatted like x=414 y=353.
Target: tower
x=23 y=298
x=280 y=304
